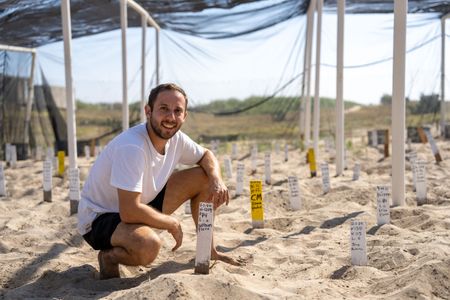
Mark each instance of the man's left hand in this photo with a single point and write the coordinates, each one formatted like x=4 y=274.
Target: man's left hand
x=218 y=193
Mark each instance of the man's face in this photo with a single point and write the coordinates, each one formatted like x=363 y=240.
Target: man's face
x=168 y=114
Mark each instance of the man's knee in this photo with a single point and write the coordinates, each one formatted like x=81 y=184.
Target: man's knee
x=146 y=247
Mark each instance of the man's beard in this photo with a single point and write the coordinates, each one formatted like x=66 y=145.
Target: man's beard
x=159 y=132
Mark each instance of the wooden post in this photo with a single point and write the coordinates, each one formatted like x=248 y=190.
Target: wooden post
x=386 y=143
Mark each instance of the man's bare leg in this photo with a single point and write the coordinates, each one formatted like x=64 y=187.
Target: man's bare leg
x=191 y=184
x=133 y=245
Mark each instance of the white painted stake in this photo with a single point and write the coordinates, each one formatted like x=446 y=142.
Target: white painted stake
x=294 y=193
x=358 y=243
x=325 y=177
x=204 y=237
x=2 y=181
x=433 y=146
x=74 y=189
x=228 y=167
x=234 y=151
x=187 y=207
x=383 y=201
x=356 y=171
x=240 y=178
x=374 y=138
x=253 y=157
x=8 y=153
x=47 y=180
x=421 y=181
x=267 y=168
x=13 y=150
x=412 y=156
x=87 y=152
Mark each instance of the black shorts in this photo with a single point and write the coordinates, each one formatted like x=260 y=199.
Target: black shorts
x=104 y=225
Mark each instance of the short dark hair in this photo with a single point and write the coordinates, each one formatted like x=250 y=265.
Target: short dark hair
x=165 y=87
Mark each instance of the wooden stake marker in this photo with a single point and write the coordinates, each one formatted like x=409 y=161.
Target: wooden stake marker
x=325 y=177
x=312 y=162
x=13 y=151
x=294 y=193
x=383 y=208
x=253 y=157
x=204 y=237
x=87 y=151
x=286 y=152
x=2 y=181
x=433 y=146
x=267 y=168
x=256 y=201
x=234 y=151
x=240 y=178
x=187 y=207
x=356 y=171
x=47 y=180
x=358 y=243
x=421 y=181
x=8 y=154
x=74 y=189
x=228 y=167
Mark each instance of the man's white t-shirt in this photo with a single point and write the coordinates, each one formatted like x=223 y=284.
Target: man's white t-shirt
x=130 y=162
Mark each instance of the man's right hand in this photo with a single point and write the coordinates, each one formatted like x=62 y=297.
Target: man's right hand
x=177 y=233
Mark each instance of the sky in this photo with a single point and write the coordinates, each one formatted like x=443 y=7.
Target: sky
x=256 y=64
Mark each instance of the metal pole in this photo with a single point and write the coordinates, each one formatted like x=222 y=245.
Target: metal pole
x=398 y=103
x=71 y=127
x=157 y=55
x=123 y=24
x=443 y=121
x=340 y=90
x=29 y=100
x=316 y=117
x=311 y=10
x=144 y=33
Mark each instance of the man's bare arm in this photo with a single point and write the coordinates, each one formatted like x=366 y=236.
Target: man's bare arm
x=218 y=190
x=132 y=211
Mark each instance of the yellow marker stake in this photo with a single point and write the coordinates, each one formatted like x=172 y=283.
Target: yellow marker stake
x=312 y=162
x=257 y=203
x=61 y=156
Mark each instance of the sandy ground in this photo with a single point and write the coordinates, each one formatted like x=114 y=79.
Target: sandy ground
x=301 y=254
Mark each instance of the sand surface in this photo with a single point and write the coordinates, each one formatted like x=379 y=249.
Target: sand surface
x=302 y=254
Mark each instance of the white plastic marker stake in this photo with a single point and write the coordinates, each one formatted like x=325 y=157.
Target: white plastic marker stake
x=267 y=168
x=74 y=189
x=286 y=152
x=204 y=237
x=234 y=151
x=228 y=167
x=38 y=153
x=256 y=201
x=87 y=151
x=254 y=155
x=187 y=207
x=383 y=201
x=13 y=151
x=421 y=182
x=8 y=153
x=47 y=180
x=433 y=146
x=358 y=243
x=240 y=178
x=2 y=181
x=294 y=193
x=325 y=177
x=277 y=148
x=374 y=138
x=412 y=157
x=356 y=171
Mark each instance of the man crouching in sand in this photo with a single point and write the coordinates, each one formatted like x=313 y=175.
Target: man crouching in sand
x=132 y=187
